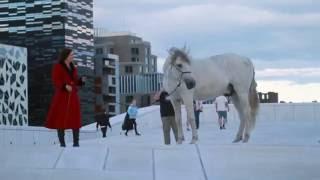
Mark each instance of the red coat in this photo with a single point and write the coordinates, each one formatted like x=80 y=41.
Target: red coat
x=64 y=112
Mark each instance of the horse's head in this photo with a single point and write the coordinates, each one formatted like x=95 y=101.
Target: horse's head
x=179 y=66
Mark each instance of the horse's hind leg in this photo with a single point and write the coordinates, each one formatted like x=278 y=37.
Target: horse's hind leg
x=241 y=103
x=245 y=107
x=236 y=103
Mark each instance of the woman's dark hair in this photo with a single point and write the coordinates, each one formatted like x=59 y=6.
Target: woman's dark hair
x=64 y=54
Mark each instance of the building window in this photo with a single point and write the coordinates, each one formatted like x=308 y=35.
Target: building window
x=135 y=51
x=113 y=81
x=111 y=50
x=99 y=51
x=128 y=69
x=135 y=59
x=112 y=90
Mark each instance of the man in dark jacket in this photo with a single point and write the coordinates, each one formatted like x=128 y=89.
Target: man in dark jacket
x=167 y=117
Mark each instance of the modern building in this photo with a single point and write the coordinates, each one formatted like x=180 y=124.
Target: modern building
x=107 y=89
x=134 y=53
x=142 y=86
x=135 y=61
x=45 y=27
x=13 y=86
x=269 y=97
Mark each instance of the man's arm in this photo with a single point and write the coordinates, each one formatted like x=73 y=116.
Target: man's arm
x=227 y=105
x=216 y=106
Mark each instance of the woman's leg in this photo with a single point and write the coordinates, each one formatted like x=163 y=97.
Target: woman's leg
x=61 y=137
x=135 y=127
x=75 y=133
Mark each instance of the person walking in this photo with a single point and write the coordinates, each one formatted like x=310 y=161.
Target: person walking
x=133 y=112
x=167 y=117
x=64 y=111
x=197 y=110
x=222 y=107
x=103 y=121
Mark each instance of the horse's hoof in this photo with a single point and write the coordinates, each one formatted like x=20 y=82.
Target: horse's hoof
x=179 y=141
x=194 y=140
x=246 y=138
x=238 y=139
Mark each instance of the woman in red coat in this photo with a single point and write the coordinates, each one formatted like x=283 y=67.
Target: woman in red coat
x=64 y=112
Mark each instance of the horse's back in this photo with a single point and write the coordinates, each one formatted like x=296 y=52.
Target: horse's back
x=238 y=69
x=231 y=59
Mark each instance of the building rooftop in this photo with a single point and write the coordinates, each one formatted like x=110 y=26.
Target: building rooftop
x=106 y=33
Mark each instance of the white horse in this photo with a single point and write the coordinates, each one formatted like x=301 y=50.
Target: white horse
x=228 y=74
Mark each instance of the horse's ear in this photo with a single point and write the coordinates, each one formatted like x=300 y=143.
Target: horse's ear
x=185 y=49
x=172 y=50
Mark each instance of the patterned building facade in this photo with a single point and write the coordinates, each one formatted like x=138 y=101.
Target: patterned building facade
x=13 y=86
x=45 y=27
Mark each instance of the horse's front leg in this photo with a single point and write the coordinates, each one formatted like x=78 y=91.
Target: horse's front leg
x=177 y=110
x=191 y=119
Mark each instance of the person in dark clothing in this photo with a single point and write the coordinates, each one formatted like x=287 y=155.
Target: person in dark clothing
x=197 y=105
x=102 y=120
x=167 y=117
x=127 y=124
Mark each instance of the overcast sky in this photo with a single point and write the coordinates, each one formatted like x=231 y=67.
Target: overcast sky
x=281 y=37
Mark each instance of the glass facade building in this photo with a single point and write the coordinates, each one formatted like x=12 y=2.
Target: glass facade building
x=45 y=27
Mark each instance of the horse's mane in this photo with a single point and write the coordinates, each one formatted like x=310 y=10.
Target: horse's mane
x=174 y=53
x=182 y=53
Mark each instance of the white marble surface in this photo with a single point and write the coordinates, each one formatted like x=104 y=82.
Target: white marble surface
x=184 y=164
x=285 y=149
x=91 y=158
x=28 y=157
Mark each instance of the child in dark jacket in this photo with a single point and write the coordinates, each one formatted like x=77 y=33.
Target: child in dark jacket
x=103 y=121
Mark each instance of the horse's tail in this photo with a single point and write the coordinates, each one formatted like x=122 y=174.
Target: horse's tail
x=254 y=102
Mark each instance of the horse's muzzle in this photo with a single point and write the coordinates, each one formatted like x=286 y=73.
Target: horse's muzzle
x=190 y=83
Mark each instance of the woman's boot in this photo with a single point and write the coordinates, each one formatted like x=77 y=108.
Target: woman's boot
x=75 y=133
x=61 y=137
